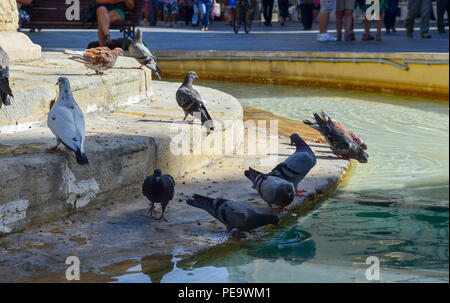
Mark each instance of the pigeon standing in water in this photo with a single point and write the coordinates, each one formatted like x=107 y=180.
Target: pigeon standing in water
x=143 y=55
x=340 y=143
x=191 y=102
x=273 y=190
x=66 y=121
x=98 y=59
x=235 y=215
x=295 y=168
x=338 y=125
x=158 y=188
x=5 y=89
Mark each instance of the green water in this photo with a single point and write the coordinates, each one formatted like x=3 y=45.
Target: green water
x=395 y=207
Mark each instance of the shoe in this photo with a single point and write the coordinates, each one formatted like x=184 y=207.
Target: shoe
x=348 y=37
x=352 y=36
x=388 y=31
x=203 y=28
x=206 y=29
x=326 y=38
x=393 y=30
x=425 y=35
x=409 y=34
x=366 y=37
x=378 y=38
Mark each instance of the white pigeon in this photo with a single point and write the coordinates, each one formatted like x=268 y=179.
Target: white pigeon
x=66 y=121
x=143 y=55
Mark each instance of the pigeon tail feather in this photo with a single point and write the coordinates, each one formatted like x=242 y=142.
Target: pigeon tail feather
x=81 y=158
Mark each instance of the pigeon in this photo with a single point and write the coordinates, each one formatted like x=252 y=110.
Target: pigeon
x=158 y=188
x=143 y=55
x=236 y=216
x=295 y=168
x=273 y=190
x=66 y=121
x=5 y=90
x=325 y=116
x=191 y=102
x=340 y=143
x=98 y=59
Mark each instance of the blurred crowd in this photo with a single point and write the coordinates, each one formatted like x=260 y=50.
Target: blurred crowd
x=202 y=14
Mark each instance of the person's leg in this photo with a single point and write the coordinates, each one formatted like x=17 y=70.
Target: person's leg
x=413 y=7
x=195 y=16
x=103 y=24
x=308 y=16
x=348 y=18
x=379 y=23
x=339 y=15
x=425 y=18
x=441 y=7
x=269 y=14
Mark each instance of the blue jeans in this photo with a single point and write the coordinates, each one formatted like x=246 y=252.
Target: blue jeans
x=195 y=16
x=390 y=15
x=205 y=6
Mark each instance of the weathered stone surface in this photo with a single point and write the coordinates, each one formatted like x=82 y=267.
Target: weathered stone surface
x=9 y=16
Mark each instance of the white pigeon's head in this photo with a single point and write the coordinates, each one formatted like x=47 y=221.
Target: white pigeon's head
x=63 y=83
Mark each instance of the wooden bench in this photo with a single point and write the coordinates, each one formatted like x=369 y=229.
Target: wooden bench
x=51 y=14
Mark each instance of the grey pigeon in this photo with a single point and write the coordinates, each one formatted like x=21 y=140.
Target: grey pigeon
x=158 y=188
x=5 y=89
x=295 y=168
x=143 y=55
x=66 y=121
x=338 y=125
x=235 y=215
x=340 y=143
x=273 y=190
x=191 y=102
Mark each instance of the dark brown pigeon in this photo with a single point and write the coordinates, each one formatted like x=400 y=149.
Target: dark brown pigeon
x=158 y=188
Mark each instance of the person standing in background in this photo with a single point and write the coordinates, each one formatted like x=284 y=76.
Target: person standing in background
x=379 y=22
x=171 y=11
x=306 y=12
x=326 y=7
x=390 y=16
x=205 y=7
x=188 y=11
x=196 y=9
x=283 y=11
x=267 y=11
x=316 y=9
x=344 y=16
x=152 y=8
x=231 y=7
x=442 y=7
x=418 y=8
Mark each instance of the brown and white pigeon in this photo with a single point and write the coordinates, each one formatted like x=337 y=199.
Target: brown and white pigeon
x=98 y=59
x=5 y=90
x=143 y=55
x=340 y=126
x=340 y=143
x=273 y=190
x=236 y=216
x=191 y=102
x=158 y=188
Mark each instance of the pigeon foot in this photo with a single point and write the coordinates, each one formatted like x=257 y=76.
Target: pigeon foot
x=299 y=194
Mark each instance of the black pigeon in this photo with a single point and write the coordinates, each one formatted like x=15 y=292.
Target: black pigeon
x=5 y=89
x=273 y=190
x=235 y=215
x=340 y=143
x=158 y=188
x=295 y=168
x=191 y=102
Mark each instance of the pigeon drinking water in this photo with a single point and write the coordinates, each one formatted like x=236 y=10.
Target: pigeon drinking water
x=236 y=216
x=273 y=190
x=158 y=188
x=143 y=55
x=98 y=59
x=191 y=102
x=340 y=143
x=338 y=125
x=5 y=90
x=66 y=121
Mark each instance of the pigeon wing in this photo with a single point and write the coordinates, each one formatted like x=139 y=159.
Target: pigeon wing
x=189 y=100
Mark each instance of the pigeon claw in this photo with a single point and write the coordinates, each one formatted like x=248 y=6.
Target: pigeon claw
x=299 y=194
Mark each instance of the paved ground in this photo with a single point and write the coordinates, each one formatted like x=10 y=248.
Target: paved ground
x=275 y=38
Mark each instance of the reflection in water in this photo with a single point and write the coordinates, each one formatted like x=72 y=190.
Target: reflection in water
x=395 y=207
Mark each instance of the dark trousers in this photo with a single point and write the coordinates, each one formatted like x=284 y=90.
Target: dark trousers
x=442 y=7
x=188 y=14
x=306 y=12
x=418 y=8
x=390 y=15
x=267 y=10
x=152 y=12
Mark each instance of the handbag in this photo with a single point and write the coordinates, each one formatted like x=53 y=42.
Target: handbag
x=216 y=10
x=88 y=14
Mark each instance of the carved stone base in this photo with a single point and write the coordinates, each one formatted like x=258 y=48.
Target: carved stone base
x=19 y=47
